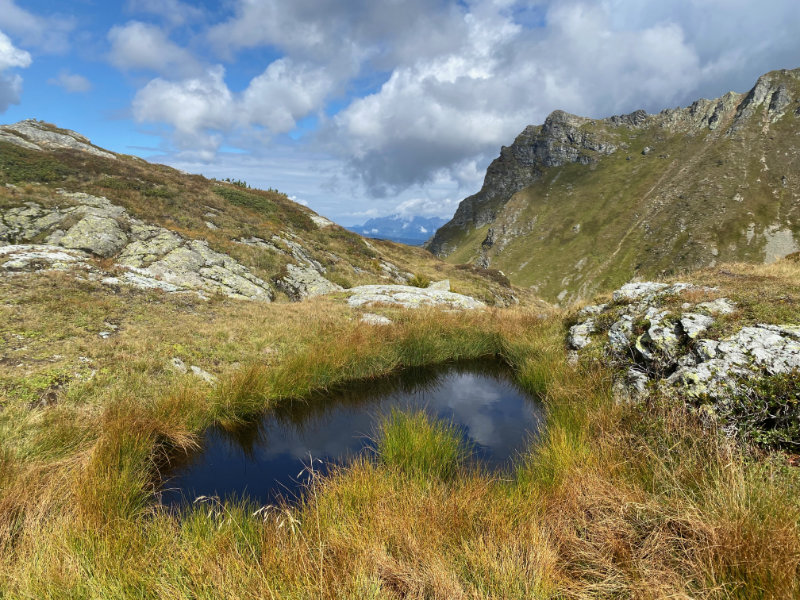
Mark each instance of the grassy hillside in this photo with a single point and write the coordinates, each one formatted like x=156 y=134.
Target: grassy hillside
x=676 y=195
x=187 y=204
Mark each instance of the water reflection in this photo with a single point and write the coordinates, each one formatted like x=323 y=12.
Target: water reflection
x=262 y=459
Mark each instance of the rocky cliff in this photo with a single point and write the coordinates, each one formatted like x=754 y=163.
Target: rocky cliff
x=577 y=205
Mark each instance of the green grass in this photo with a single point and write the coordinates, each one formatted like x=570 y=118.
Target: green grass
x=419 y=447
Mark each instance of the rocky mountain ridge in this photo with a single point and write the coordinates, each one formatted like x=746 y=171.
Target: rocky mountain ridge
x=606 y=200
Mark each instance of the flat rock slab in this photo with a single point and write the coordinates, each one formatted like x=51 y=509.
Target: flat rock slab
x=410 y=297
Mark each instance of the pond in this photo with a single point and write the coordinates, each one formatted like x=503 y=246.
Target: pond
x=263 y=459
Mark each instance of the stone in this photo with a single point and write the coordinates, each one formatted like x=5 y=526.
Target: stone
x=443 y=285
x=646 y=150
x=178 y=365
x=619 y=335
x=694 y=324
x=592 y=309
x=720 y=306
x=638 y=290
x=202 y=374
x=321 y=221
x=305 y=282
x=373 y=319
x=36 y=257
x=410 y=297
x=96 y=234
x=580 y=334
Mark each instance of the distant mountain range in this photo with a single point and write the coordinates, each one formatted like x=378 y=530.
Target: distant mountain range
x=413 y=231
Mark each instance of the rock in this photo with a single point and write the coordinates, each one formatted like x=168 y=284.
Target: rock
x=694 y=324
x=153 y=257
x=35 y=135
x=96 y=234
x=409 y=297
x=105 y=334
x=580 y=334
x=178 y=365
x=305 y=282
x=211 y=226
x=37 y=257
x=720 y=306
x=636 y=291
x=373 y=319
x=619 y=335
x=321 y=221
x=592 y=309
x=646 y=150
x=443 y=285
x=204 y=375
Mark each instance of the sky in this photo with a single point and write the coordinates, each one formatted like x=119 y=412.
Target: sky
x=365 y=108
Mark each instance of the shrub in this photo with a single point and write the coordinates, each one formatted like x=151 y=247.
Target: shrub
x=419 y=281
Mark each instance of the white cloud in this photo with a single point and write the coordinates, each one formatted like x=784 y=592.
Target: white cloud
x=50 y=34
x=174 y=12
x=197 y=108
x=285 y=92
x=71 y=82
x=10 y=84
x=138 y=45
x=431 y=89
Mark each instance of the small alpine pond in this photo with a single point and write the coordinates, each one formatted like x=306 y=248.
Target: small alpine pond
x=265 y=459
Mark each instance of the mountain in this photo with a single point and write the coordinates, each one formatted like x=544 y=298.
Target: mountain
x=65 y=201
x=412 y=231
x=577 y=205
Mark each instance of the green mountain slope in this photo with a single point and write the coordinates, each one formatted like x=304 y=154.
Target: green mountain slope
x=577 y=205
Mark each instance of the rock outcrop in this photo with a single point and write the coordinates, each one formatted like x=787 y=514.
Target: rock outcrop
x=37 y=135
x=410 y=297
x=145 y=255
x=660 y=342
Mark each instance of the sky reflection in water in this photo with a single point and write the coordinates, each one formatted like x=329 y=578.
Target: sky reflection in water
x=262 y=459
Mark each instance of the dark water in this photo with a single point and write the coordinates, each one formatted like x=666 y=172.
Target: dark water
x=262 y=459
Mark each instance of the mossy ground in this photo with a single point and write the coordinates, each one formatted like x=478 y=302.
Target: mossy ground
x=614 y=501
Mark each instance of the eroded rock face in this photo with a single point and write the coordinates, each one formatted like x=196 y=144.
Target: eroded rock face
x=151 y=257
x=410 y=297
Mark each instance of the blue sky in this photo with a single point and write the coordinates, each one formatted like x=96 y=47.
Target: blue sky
x=363 y=108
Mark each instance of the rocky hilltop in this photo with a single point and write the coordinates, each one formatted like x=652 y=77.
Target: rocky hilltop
x=68 y=205
x=577 y=205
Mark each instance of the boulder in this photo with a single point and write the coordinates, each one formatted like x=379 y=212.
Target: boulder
x=304 y=282
x=410 y=297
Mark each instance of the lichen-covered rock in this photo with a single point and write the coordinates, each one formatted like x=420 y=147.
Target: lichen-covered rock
x=410 y=297
x=579 y=334
x=619 y=335
x=34 y=257
x=152 y=257
x=720 y=306
x=304 y=282
x=99 y=235
x=635 y=291
x=694 y=324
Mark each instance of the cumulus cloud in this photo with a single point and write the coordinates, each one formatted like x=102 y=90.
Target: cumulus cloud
x=49 y=34
x=10 y=84
x=138 y=45
x=198 y=108
x=424 y=92
x=285 y=92
x=71 y=82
